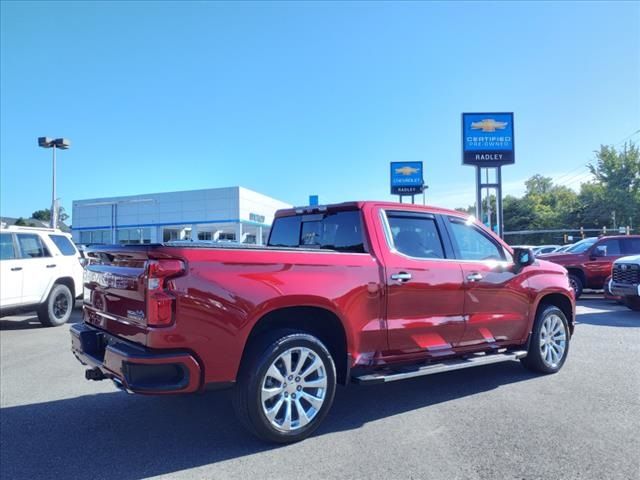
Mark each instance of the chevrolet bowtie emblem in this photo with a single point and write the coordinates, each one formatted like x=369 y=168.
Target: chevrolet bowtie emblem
x=407 y=170
x=488 y=125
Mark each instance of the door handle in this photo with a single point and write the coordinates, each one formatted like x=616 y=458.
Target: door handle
x=51 y=266
x=474 y=277
x=401 y=277
x=16 y=269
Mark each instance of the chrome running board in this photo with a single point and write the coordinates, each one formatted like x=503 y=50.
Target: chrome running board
x=411 y=371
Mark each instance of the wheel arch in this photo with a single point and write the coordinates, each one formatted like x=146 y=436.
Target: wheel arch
x=577 y=271
x=315 y=320
x=560 y=300
x=66 y=281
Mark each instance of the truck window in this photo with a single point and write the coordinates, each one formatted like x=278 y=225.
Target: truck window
x=415 y=235
x=285 y=232
x=611 y=246
x=7 y=251
x=341 y=231
x=64 y=245
x=631 y=246
x=472 y=244
x=31 y=246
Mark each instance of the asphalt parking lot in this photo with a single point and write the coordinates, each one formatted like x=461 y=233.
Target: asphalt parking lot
x=498 y=421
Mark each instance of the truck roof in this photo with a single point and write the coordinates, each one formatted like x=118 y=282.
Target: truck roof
x=361 y=204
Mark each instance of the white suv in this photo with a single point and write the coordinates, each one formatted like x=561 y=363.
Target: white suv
x=40 y=269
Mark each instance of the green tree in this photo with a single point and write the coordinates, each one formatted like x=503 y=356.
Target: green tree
x=611 y=199
x=614 y=197
x=45 y=215
x=21 y=222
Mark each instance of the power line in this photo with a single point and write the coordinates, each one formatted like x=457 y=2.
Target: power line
x=559 y=178
x=627 y=138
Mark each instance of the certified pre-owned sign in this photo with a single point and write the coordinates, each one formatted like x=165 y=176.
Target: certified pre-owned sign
x=487 y=139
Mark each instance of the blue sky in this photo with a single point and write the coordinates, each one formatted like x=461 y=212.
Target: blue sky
x=292 y=99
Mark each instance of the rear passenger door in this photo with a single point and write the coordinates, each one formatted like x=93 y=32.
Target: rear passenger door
x=424 y=288
x=496 y=302
x=38 y=266
x=631 y=246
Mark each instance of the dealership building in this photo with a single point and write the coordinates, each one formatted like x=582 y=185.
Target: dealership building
x=233 y=214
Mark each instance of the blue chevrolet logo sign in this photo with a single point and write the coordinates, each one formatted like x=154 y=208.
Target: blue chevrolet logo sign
x=406 y=178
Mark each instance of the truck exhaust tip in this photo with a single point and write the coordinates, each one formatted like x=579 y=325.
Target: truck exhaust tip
x=94 y=374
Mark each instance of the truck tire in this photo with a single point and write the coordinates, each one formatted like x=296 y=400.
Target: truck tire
x=285 y=386
x=632 y=303
x=56 y=310
x=549 y=343
x=576 y=283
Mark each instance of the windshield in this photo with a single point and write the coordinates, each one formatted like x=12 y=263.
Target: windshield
x=582 y=245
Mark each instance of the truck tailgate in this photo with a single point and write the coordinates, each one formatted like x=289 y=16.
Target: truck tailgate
x=125 y=288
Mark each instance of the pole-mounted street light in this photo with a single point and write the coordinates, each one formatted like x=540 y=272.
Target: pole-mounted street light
x=63 y=144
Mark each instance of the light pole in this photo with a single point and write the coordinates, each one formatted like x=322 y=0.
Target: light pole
x=63 y=144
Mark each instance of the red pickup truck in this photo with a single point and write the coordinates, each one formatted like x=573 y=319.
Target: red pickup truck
x=590 y=260
x=366 y=292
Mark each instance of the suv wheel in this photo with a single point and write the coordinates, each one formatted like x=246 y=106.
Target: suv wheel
x=633 y=303
x=57 y=309
x=549 y=343
x=576 y=284
x=285 y=387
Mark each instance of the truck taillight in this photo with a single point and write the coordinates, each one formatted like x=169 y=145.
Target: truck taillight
x=160 y=302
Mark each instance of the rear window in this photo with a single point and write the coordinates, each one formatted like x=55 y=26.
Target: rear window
x=31 y=246
x=285 y=232
x=341 y=231
x=632 y=246
x=64 y=244
x=415 y=235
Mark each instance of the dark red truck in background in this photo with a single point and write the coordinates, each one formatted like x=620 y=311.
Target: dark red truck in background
x=590 y=260
x=365 y=291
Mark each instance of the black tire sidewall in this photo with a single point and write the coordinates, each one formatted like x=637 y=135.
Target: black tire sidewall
x=48 y=318
x=253 y=385
x=534 y=355
x=579 y=285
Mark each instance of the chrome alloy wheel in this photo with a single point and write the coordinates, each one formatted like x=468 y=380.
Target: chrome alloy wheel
x=553 y=340
x=294 y=389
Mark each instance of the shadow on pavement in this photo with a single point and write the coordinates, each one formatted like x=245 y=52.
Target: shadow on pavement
x=29 y=320
x=115 y=435
x=618 y=317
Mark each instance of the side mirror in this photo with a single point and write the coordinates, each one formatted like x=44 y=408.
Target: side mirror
x=599 y=252
x=523 y=257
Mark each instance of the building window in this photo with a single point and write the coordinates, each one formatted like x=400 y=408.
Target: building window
x=169 y=235
x=227 y=237
x=92 y=237
x=134 y=235
x=205 y=236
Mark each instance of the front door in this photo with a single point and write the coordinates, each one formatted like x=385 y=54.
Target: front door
x=496 y=303
x=424 y=289
x=603 y=253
